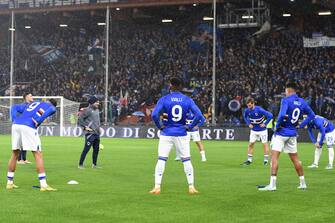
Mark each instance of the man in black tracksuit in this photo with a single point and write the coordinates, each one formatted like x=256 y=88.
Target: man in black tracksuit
x=89 y=119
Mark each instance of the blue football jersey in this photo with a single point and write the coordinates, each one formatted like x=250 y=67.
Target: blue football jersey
x=190 y=118
x=176 y=105
x=292 y=109
x=31 y=113
x=256 y=117
x=323 y=125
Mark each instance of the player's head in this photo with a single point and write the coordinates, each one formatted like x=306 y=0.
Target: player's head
x=53 y=102
x=94 y=102
x=291 y=88
x=176 y=84
x=250 y=103
x=28 y=97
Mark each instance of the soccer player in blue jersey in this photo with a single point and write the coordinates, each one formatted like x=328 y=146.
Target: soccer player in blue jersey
x=25 y=136
x=195 y=135
x=257 y=119
x=285 y=137
x=174 y=132
x=326 y=133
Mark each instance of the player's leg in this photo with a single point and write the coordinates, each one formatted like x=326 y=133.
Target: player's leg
x=95 y=153
x=291 y=149
x=264 y=139
x=11 y=169
x=164 y=147
x=182 y=144
x=277 y=143
x=317 y=155
x=330 y=142
x=87 y=146
x=16 y=146
x=200 y=145
x=298 y=167
x=41 y=171
x=252 y=140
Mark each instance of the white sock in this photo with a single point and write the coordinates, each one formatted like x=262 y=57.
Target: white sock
x=317 y=155
x=273 y=181
x=10 y=177
x=250 y=157
x=203 y=154
x=331 y=156
x=266 y=158
x=188 y=169
x=302 y=180
x=159 y=170
x=42 y=177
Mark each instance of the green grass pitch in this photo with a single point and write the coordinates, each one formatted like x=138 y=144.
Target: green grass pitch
x=119 y=191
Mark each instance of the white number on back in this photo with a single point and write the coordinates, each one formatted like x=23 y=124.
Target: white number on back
x=295 y=115
x=177 y=113
x=32 y=106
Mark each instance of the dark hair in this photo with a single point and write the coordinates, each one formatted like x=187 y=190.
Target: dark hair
x=176 y=82
x=53 y=102
x=250 y=100
x=25 y=95
x=292 y=85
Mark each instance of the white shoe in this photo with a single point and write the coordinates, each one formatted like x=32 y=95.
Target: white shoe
x=329 y=167
x=267 y=188
x=203 y=159
x=302 y=187
x=313 y=166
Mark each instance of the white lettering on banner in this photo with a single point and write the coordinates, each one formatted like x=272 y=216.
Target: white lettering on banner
x=102 y=132
x=322 y=41
x=127 y=132
x=49 y=131
x=218 y=132
x=108 y=134
x=151 y=133
x=77 y=131
x=136 y=132
x=66 y=131
x=230 y=134
x=206 y=134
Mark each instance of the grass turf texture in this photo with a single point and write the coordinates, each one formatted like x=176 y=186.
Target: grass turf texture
x=119 y=191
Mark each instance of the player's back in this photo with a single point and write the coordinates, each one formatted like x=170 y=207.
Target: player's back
x=176 y=105
x=34 y=109
x=296 y=107
x=320 y=122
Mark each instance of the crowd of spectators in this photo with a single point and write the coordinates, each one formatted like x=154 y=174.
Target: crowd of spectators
x=143 y=57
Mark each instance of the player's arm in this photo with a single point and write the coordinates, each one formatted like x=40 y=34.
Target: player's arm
x=322 y=129
x=246 y=117
x=155 y=114
x=282 y=113
x=311 y=134
x=310 y=116
x=82 y=119
x=16 y=109
x=197 y=115
x=40 y=119
x=268 y=116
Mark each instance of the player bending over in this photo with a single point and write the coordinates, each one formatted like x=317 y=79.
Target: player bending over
x=257 y=119
x=326 y=133
x=173 y=132
x=285 y=137
x=195 y=136
x=25 y=137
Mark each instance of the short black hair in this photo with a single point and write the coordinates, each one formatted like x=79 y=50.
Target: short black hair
x=53 y=101
x=25 y=95
x=176 y=82
x=292 y=84
x=250 y=100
